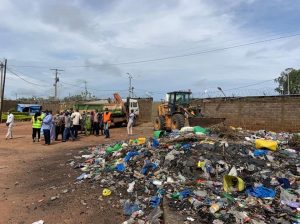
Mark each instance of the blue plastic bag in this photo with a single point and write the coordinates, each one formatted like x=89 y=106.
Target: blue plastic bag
x=185 y=193
x=155 y=143
x=154 y=201
x=147 y=167
x=129 y=155
x=186 y=146
x=120 y=167
x=261 y=192
x=260 y=152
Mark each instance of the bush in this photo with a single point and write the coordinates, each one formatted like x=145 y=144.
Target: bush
x=18 y=117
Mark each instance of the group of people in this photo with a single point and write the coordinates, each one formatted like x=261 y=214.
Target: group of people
x=67 y=124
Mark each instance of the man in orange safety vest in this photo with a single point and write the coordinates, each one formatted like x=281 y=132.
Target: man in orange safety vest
x=106 y=121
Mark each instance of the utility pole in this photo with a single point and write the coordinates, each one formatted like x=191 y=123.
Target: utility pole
x=85 y=90
x=130 y=90
x=56 y=80
x=3 y=77
x=288 y=80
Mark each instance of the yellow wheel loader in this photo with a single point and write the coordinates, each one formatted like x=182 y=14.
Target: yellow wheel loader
x=177 y=111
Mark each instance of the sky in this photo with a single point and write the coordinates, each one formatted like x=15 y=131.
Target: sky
x=165 y=45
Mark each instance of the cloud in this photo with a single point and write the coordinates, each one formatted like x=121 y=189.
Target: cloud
x=101 y=35
x=104 y=67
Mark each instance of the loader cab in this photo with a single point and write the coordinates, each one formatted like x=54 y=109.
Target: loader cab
x=178 y=98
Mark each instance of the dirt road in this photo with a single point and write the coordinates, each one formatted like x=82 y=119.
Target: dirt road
x=32 y=173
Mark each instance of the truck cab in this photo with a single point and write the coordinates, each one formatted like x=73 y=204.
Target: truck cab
x=133 y=105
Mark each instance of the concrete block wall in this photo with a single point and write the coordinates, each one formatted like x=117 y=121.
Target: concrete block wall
x=277 y=113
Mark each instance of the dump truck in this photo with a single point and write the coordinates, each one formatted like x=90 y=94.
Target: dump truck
x=177 y=111
x=119 y=108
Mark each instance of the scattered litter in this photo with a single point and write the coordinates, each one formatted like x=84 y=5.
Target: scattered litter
x=217 y=175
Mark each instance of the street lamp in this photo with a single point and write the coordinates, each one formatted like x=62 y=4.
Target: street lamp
x=219 y=88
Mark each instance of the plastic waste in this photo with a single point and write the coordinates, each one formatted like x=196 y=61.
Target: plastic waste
x=184 y=194
x=154 y=201
x=295 y=205
x=116 y=147
x=187 y=129
x=82 y=176
x=106 y=192
x=186 y=146
x=175 y=195
x=155 y=143
x=199 y=130
x=158 y=134
x=286 y=196
x=148 y=166
x=186 y=171
x=241 y=217
x=130 y=187
x=229 y=197
x=233 y=183
x=260 y=152
x=261 y=192
x=284 y=182
x=130 y=207
x=215 y=207
x=138 y=141
x=268 y=144
x=158 y=183
x=130 y=155
x=120 y=167
x=154 y=216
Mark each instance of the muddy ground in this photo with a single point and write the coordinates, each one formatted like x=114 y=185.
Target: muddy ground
x=32 y=173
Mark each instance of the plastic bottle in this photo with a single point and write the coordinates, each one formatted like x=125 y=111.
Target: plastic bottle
x=215 y=207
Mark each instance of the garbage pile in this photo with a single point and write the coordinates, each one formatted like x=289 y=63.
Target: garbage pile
x=200 y=176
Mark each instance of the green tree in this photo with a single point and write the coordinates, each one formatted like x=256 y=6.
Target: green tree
x=289 y=76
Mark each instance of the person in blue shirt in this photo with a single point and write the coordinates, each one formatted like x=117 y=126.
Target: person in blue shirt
x=46 y=126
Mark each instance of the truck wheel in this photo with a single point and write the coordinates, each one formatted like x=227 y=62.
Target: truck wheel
x=177 y=121
x=160 y=123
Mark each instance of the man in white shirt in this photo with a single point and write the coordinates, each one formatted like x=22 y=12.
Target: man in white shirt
x=76 y=117
x=9 y=123
x=131 y=118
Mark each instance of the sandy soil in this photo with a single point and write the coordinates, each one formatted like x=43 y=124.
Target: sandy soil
x=32 y=173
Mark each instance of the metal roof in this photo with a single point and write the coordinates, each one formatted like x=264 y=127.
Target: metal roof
x=28 y=105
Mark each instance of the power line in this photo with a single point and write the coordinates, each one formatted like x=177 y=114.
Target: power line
x=32 y=83
x=182 y=55
x=207 y=51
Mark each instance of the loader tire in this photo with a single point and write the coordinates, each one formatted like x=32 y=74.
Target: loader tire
x=177 y=121
x=159 y=123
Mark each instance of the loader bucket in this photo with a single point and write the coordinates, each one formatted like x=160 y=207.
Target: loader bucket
x=205 y=121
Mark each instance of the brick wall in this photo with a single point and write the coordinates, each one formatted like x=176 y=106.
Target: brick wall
x=277 y=113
